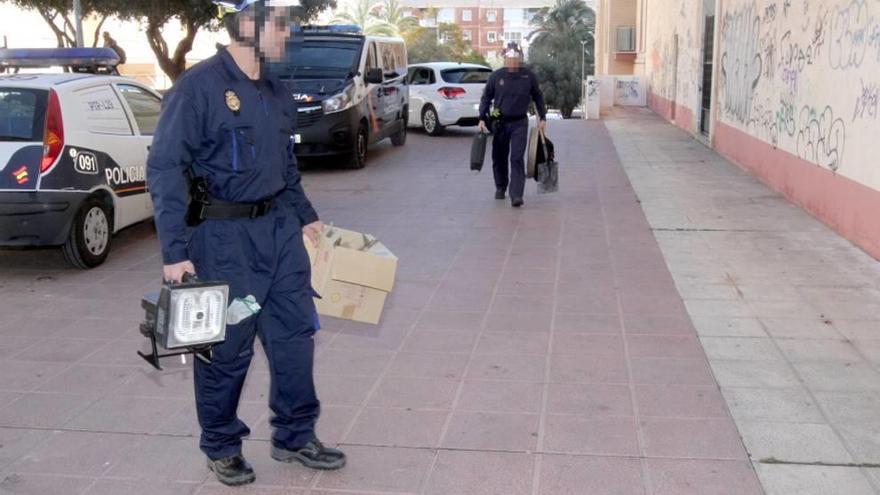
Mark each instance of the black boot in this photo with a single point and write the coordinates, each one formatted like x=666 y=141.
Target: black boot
x=313 y=455
x=516 y=203
x=499 y=193
x=232 y=471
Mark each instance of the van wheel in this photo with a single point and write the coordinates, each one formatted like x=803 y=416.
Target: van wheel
x=431 y=122
x=88 y=243
x=359 y=157
x=399 y=137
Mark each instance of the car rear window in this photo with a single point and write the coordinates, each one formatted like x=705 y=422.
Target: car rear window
x=466 y=75
x=22 y=114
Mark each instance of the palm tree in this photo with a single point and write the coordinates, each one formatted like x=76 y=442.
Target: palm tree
x=556 y=50
x=363 y=14
x=392 y=13
x=377 y=18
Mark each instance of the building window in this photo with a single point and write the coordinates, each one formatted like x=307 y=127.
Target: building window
x=446 y=16
x=626 y=38
x=492 y=36
x=467 y=35
x=467 y=15
x=513 y=36
x=491 y=16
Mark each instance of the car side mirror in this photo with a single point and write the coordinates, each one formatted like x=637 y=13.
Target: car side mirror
x=375 y=76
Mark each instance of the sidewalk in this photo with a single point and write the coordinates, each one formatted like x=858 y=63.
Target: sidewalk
x=787 y=311
x=542 y=351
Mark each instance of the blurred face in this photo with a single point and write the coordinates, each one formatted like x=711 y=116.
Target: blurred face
x=512 y=62
x=274 y=31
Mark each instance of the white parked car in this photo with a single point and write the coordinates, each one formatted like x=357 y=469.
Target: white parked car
x=442 y=94
x=73 y=151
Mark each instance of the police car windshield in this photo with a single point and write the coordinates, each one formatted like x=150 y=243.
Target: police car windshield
x=22 y=114
x=324 y=58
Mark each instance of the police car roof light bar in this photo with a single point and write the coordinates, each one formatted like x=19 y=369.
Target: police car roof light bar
x=80 y=59
x=334 y=28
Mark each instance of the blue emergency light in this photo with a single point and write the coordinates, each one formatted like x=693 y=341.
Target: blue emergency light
x=334 y=29
x=92 y=60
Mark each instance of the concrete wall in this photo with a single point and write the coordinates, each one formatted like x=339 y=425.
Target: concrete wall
x=796 y=96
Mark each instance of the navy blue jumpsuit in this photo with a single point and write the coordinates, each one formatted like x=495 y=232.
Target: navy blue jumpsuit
x=237 y=133
x=511 y=92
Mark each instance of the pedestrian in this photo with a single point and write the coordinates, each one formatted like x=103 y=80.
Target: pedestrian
x=227 y=128
x=111 y=43
x=506 y=99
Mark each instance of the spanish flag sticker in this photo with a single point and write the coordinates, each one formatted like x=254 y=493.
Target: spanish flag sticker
x=21 y=175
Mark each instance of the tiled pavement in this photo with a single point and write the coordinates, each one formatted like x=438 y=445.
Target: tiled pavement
x=535 y=351
x=787 y=311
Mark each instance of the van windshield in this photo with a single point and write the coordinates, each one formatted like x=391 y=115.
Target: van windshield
x=325 y=58
x=22 y=114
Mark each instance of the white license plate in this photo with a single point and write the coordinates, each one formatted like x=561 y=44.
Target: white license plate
x=297 y=138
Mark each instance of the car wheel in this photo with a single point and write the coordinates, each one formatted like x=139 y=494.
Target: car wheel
x=431 y=122
x=399 y=138
x=88 y=243
x=358 y=158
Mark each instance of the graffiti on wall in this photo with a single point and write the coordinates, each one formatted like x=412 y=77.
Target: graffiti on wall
x=802 y=74
x=741 y=60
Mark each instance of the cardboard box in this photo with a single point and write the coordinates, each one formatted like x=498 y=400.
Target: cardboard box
x=353 y=273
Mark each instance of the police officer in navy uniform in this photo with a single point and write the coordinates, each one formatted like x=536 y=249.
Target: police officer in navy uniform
x=229 y=206
x=506 y=99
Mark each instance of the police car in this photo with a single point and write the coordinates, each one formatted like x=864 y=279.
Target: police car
x=73 y=149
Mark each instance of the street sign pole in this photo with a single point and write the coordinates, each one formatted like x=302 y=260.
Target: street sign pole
x=77 y=16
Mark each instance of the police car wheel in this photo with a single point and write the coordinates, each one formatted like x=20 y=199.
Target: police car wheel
x=431 y=122
x=359 y=155
x=88 y=243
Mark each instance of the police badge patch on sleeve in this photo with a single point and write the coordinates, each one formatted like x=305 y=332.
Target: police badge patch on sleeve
x=232 y=101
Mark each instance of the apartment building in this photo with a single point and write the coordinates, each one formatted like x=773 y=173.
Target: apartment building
x=488 y=24
x=619 y=42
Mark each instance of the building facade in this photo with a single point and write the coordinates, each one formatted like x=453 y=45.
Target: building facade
x=618 y=40
x=788 y=89
x=487 y=24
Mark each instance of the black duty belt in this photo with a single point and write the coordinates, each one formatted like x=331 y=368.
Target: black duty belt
x=217 y=209
x=515 y=118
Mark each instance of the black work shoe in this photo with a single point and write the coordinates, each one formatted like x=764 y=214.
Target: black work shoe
x=232 y=471
x=499 y=193
x=516 y=203
x=314 y=455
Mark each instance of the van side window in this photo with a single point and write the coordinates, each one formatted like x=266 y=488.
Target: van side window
x=372 y=62
x=144 y=106
x=102 y=111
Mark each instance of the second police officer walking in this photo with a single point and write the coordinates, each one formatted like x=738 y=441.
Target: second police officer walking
x=224 y=139
x=509 y=93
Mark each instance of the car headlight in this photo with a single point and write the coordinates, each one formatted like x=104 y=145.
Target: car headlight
x=339 y=102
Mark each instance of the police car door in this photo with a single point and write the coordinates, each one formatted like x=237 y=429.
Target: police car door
x=392 y=102
x=108 y=137
x=143 y=107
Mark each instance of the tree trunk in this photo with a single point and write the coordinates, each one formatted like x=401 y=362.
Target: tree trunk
x=98 y=31
x=172 y=65
x=60 y=34
x=566 y=112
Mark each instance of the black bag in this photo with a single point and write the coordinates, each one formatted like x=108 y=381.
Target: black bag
x=547 y=170
x=478 y=151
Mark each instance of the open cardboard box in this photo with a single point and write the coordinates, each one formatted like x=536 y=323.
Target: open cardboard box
x=353 y=273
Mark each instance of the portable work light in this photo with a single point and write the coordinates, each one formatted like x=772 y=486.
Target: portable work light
x=189 y=316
